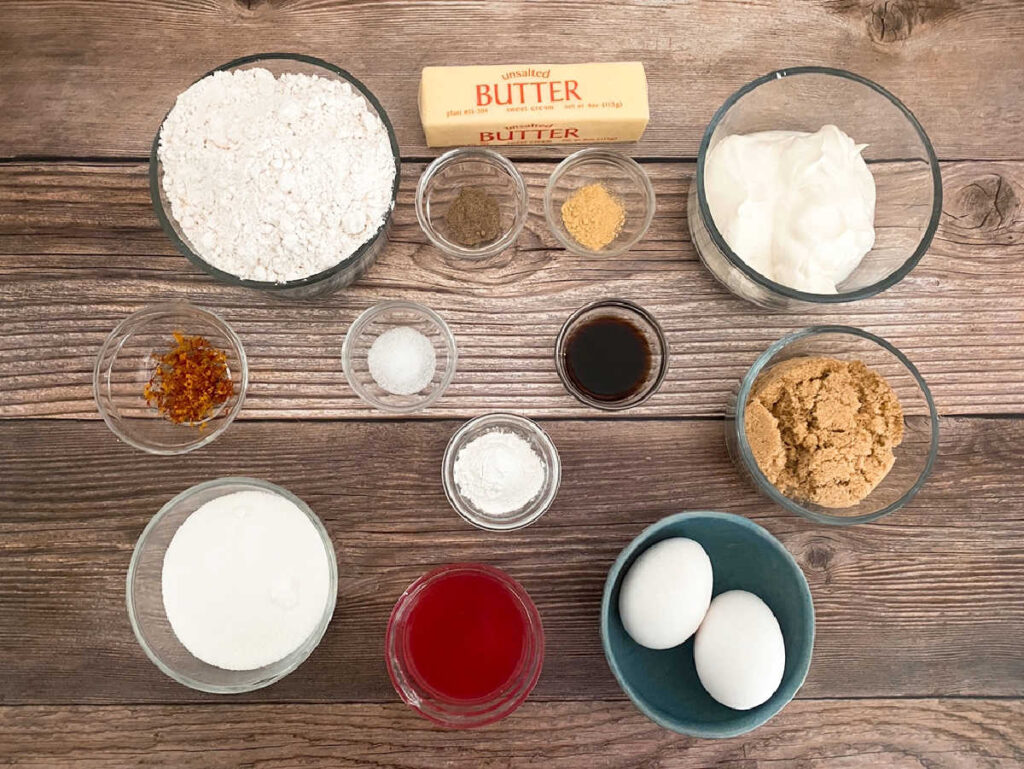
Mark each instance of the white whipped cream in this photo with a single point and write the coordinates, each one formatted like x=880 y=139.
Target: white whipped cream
x=798 y=207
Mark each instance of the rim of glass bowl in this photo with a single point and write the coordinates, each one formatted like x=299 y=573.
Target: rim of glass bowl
x=508 y=699
x=165 y=216
x=303 y=651
x=768 y=488
x=101 y=378
x=487 y=156
x=356 y=330
x=862 y=293
x=648 y=318
x=623 y=161
x=552 y=461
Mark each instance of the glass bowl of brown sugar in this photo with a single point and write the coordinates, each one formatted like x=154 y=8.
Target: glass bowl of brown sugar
x=835 y=424
x=599 y=202
x=472 y=203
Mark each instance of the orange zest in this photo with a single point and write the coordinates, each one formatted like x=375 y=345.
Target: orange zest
x=190 y=382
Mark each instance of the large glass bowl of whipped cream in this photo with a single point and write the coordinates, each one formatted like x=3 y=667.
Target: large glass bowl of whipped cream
x=814 y=186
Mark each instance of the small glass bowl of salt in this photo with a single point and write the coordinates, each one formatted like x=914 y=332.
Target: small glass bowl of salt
x=501 y=472
x=399 y=356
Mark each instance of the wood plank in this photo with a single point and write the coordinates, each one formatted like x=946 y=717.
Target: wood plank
x=80 y=248
x=858 y=734
x=83 y=83
x=927 y=602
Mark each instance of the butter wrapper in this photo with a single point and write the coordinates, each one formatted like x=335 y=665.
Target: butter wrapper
x=498 y=105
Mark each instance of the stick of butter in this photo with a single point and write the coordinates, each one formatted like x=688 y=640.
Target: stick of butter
x=536 y=104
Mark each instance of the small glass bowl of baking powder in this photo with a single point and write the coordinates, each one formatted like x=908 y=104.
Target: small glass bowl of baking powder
x=493 y=180
x=619 y=180
x=145 y=602
x=399 y=356
x=522 y=439
x=125 y=365
x=914 y=456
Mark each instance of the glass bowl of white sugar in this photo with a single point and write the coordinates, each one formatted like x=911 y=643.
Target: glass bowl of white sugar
x=813 y=186
x=232 y=585
x=277 y=171
x=501 y=472
x=399 y=356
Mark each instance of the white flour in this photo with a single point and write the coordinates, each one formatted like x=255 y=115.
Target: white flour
x=245 y=580
x=498 y=472
x=275 y=179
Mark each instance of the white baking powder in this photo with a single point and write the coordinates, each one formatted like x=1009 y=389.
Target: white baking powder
x=402 y=360
x=498 y=472
x=246 y=580
x=275 y=179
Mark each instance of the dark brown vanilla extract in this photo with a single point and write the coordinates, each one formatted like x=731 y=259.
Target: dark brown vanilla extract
x=608 y=359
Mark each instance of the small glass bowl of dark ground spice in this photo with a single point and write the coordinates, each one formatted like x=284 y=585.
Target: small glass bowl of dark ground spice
x=472 y=203
x=170 y=378
x=611 y=354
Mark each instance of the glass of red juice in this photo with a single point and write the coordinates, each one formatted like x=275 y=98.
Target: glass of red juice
x=464 y=645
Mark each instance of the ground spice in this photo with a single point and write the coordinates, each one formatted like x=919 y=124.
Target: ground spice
x=593 y=216
x=190 y=381
x=474 y=218
x=823 y=430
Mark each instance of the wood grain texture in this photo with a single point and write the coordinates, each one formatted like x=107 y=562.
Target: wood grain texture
x=84 y=79
x=857 y=734
x=927 y=602
x=80 y=248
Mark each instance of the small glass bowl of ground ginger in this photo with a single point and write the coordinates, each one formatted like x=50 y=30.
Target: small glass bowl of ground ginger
x=835 y=424
x=599 y=202
x=170 y=378
x=472 y=203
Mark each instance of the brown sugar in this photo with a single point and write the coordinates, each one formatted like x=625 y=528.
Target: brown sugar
x=823 y=430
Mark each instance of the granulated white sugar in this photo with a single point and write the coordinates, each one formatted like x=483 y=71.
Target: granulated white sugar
x=246 y=580
x=275 y=179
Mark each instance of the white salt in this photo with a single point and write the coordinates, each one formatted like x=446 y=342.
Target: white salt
x=402 y=360
x=245 y=580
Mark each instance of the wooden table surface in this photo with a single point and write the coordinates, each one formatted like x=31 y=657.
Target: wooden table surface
x=918 y=660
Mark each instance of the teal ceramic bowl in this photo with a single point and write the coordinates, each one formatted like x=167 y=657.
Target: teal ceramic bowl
x=664 y=684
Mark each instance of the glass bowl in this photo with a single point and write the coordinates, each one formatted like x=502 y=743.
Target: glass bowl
x=539 y=441
x=384 y=317
x=125 y=364
x=914 y=456
x=471 y=167
x=331 y=279
x=622 y=177
x=899 y=154
x=144 y=595
x=637 y=317
x=445 y=711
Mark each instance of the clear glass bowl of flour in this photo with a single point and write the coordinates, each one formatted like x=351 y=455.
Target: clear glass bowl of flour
x=327 y=280
x=518 y=429
x=145 y=601
x=899 y=155
x=399 y=356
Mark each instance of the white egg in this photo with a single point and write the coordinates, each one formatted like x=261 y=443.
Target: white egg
x=739 y=650
x=665 y=593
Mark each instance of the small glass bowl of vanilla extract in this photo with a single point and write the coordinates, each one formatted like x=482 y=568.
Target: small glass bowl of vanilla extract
x=611 y=354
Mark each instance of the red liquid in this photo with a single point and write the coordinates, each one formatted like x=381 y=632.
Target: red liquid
x=466 y=634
